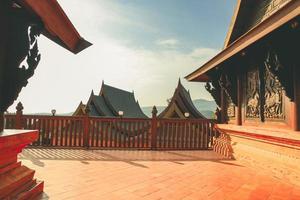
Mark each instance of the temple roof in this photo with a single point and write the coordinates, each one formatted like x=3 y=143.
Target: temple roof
x=253 y=20
x=249 y=13
x=80 y=110
x=57 y=25
x=111 y=100
x=181 y=103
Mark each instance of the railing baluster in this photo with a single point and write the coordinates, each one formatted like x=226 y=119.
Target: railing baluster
x=51 y=131
x=195 y=135
x=176 y=135
x=128 y=126
x=110 y=134
x=133 y=134
x=100 y=122
x=192 y=125
x=139 y=134
x=91 y=133
x=96 y=133
x=143 y=134
x=66 y=132
x=115 y=136
x=71 y=133
x=118 y=133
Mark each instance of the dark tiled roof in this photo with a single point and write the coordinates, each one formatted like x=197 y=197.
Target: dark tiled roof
x=121 y=100
x=111 y=100
x=101 y=106
x=93 y=110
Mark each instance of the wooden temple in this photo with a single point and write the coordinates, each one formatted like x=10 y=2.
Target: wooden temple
x=22 y=21
x=254 y=80
x=111 y=102
x=181 y=105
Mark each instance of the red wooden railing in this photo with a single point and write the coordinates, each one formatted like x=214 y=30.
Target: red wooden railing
x=184 y=134
x=128 y=133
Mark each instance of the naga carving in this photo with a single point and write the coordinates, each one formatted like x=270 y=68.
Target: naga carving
x=214 y=89
x=229 y=83
x=19 y=55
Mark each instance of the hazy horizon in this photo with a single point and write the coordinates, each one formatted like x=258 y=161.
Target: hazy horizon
x=141 y=46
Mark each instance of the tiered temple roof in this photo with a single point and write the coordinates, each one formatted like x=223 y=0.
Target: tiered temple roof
x=180 y=104
x=109 y=102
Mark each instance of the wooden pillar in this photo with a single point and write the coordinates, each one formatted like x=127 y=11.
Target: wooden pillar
x=223 y=106
x=296 y=103
x=239 y=100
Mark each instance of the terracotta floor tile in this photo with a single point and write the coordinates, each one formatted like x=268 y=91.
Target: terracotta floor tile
x=152 y=175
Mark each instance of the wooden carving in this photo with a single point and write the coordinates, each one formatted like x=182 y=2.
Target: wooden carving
x=273 y=107
x=252 y=94
x=230 y=108
x=19 y=55
x=228 y=82
x=214 y=89
x=280 y=64
x=264 y=88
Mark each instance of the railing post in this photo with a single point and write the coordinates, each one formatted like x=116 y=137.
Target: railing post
x=19 y=114
x=86 y=128
x=153 y=128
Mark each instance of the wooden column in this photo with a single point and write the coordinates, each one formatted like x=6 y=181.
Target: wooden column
x=223 y=106
x=239 y=100
x=296 y=103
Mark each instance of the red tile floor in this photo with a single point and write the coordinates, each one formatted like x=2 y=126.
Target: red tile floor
x=185 y=175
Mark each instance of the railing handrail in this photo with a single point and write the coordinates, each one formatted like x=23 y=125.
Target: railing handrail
x=112 y=118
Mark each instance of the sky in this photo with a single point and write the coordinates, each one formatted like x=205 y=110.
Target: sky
x=138 y=45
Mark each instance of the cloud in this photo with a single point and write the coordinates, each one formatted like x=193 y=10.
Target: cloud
x=62 y=79
x=168 y=43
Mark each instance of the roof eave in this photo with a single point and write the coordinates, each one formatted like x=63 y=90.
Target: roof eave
x=58 y=26
x=232 y=24
x=285 y=14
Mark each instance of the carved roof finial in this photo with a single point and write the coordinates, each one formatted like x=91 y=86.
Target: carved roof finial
x=19 y=107
x=154 y=111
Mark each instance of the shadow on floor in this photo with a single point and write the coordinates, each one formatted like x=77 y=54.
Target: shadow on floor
x=127 y=156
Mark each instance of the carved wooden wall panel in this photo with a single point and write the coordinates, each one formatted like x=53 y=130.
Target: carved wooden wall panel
x=273 y=95
x=252 y=94
x=273 y=108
